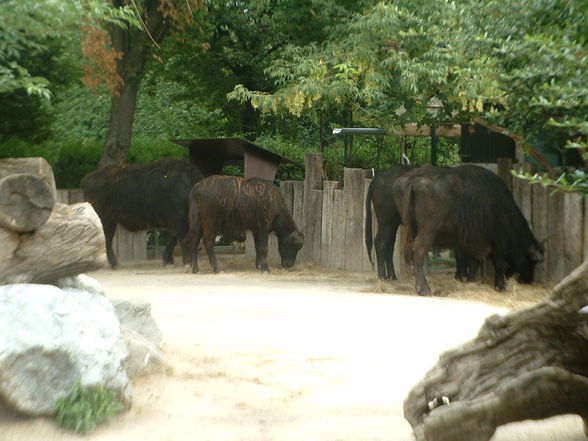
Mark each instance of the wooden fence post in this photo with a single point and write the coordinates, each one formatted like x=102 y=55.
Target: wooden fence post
x=313 y=180
x=353 y=186
x=554 y=246
x=540 y=225
x=573 y=211
x=504 y=171
x=328 y=219
x=338 y=248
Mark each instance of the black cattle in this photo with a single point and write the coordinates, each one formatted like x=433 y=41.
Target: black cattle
x=139 y=197
x=470 y=208
x=232 y=205
x=388 y=218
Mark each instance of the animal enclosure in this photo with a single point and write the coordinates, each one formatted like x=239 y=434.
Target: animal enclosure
x=331 y=215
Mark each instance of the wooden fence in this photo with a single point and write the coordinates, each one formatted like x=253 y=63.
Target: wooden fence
x=560 y=218
x=333 y=219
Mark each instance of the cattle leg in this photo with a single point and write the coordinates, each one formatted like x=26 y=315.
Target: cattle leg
x=473 y=266
x=109 y=230
x=191 y=243
x=209 y=240
x=419 y=254
x=499 y=269
x=261 y=248
x=384 y=244
x=170 y=243
x=461 y=267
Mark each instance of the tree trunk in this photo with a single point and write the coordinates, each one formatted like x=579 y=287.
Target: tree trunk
x=122 y=114
x=134 y=46
x=529 y=364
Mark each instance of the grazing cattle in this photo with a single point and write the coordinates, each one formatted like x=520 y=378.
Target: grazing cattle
x=232 y=205
x=388 y=218
x=470 y=208
x=138 y=197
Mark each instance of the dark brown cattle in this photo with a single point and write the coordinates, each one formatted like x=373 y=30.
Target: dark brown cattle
x=138 y=197
x=232 y=205
x=388 y=217
x=470 y=208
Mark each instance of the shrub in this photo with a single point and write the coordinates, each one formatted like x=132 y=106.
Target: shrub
x=85 y=407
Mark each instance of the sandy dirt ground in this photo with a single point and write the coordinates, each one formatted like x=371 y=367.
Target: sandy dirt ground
x=302 y=355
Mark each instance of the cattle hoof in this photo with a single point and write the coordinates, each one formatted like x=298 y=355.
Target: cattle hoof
x=195 y=270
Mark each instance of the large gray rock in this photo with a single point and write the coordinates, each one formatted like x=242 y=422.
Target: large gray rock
x=49 y=338
x=142 y=337
x=136 y=315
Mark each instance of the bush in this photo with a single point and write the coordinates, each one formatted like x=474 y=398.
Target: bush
x=71 y=159
x=86 y=407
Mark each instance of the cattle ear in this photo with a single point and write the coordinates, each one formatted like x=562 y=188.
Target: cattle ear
x=534 y=254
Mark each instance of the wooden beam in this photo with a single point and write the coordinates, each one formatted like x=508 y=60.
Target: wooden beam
x=443 y=130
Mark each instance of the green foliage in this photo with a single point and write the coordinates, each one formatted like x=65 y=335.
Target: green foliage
x=86 y=407
x=71 y=160
x=521 y=64
x=31 y=27
x=574 y=181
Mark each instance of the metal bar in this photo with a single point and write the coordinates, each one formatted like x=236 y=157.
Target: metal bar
x=359 y=131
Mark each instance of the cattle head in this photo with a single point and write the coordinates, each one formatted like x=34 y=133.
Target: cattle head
x=526 y=268
x=288 y=246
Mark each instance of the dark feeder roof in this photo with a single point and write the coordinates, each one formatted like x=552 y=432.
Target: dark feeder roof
x=211 y=154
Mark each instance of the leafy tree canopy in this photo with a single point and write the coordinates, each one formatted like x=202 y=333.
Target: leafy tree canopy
x=521 y=64
x=29 y=28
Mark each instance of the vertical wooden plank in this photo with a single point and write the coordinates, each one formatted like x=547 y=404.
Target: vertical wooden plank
x=328 y=217
x=554 y=258
x=76 y=196
x=62 y=196
x=297 y=208
x=313 y=172
x=526 y=204
x=516 y=190
x=585 y=222
x=573 y=212
x=338 y=242
x=540 y=226
x=124 y=244
x=315 y=222
x=287 y=189
x=366 y=265
x=249 y=246
x=504 y=170
x=140 y=246
x=353 y=188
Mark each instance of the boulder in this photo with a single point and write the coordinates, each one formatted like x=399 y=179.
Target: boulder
x=142 y=337
x=136 y=315
x=49 y=338
x=81 y=282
